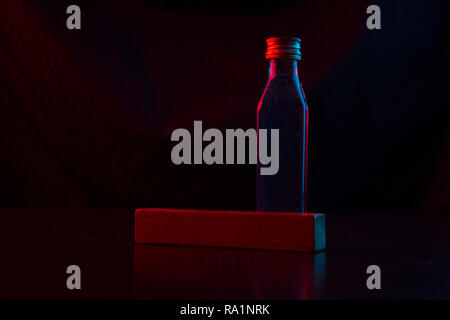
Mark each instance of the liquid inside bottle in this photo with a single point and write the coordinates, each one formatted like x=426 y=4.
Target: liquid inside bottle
x=283 y=106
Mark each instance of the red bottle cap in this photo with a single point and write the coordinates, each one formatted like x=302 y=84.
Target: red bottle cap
x=283 y=47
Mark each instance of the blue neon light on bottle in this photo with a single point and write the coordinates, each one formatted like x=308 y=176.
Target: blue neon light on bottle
x=283 y=106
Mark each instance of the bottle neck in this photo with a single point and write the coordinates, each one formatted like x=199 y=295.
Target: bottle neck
x=283 y=67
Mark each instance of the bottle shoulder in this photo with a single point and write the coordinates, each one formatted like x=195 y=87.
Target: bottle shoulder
x=283 y=91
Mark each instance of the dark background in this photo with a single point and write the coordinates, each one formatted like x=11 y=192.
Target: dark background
x=86 y=116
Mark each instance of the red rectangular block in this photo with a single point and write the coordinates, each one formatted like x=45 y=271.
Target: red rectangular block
x=233 y=229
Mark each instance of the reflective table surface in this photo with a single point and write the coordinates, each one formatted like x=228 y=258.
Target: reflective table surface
x=37 y=246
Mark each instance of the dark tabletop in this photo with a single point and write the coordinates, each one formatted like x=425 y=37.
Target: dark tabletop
x=37 y=246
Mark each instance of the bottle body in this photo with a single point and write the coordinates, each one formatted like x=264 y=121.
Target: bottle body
x=283 y=106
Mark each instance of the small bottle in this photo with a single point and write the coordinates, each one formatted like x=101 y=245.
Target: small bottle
x=283 y=106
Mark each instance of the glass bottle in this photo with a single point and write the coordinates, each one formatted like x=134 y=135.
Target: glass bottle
x=283 y=106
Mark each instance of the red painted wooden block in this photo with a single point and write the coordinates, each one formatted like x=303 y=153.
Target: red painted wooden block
x=234 y=229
